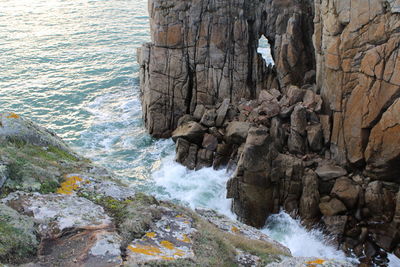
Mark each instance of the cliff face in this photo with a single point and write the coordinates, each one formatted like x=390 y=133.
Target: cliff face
x=358 y=72
x=203 y=52
x=317 y=134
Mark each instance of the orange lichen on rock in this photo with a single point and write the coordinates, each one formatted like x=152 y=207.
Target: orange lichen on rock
x=234 y=229
x=185 y=239
x=146 y=250
x=151 y=235
x=12 y=115
x=71 y=183
x=313 y=263
x=167 y=244
x=167 y=258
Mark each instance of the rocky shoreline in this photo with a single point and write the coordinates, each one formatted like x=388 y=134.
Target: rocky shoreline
x=318 y=133
x=59 y=209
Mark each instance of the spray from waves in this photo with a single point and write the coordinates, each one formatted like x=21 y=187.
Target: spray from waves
x=301 y=242
x=205 y=188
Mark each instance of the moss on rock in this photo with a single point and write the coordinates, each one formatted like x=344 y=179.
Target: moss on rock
x=18 y=240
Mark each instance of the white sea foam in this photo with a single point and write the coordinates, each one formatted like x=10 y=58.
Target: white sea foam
x=204 y=188
x=301 y=242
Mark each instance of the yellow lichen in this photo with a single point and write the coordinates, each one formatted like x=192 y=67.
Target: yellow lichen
x=151 y=235
x=146 y=250
x=234 y=229
x=312 y=263
x=179 y=216
x=167 y=258
x=167 y=244
x=70 y=184
x=179 y=253
x=187 y=222
x=12 y=115
x=185 y=239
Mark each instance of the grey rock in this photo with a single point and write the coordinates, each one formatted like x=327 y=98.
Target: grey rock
x=328 y=171
x=236 y=132
x=208 y=118
x=221 y=112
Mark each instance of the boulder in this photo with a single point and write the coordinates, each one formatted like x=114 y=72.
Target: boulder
x=236 y=132
x=298 y=124
x=208 y=118
x=204 y=159
x=186 y=153
x=191 y=131
x=185 y=119
x=332 y=207
x=328 y=171
x=221 y=112
x=210 y=142
x=347 y=191
x=315 y=137
x=310 y=196
x=295 y=95
x=199 y=112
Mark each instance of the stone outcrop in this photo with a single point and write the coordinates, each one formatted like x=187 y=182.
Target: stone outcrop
x=200 y=55
x=318 y=133
x=357 y=45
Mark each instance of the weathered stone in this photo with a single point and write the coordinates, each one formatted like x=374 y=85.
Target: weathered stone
x=332 y=207
x=18 y=241
x=185 y=119
x=204 y=159
x=298 y=124
x=14 y=127
x=326 y=128
x=252 y=202
x=346 y=191
x=199 y=112
x=186 y=153
x=314 y=137
x=208 y=118
x=221 y=112
x=335 y=225
x=220 y=55
x=191 y=131
x=295 y=95
x=236 y=132
x=310 y=196
x=327 y=171
x=383 y=150
x=210 y=142
x=312 y=101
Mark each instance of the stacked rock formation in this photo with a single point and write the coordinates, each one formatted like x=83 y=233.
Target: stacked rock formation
x=317 y=134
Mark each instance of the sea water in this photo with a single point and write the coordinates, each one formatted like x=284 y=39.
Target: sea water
x=70 y=65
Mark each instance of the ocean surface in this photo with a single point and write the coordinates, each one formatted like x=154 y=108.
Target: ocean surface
x=70 y=65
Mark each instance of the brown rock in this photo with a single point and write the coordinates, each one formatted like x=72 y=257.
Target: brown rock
x=199 y=112
x=295 y=95
x=236 y=132
x=314 y=137
x=208 y=118
x=310 y=197
x=191 y=131
x=210 y=142
x=221 y=112
x=346 y=191
x=335 y=225
x=186 y=153
x=204 y=159
x=332 y=207
x=327 y=171
x=383 y=150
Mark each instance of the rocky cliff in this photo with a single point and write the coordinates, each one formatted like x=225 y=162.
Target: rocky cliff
x=59 y=209
x=318 y=133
